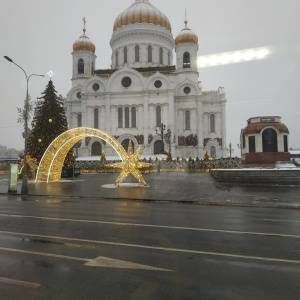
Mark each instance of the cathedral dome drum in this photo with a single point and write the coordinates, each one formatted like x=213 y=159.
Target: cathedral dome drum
x=186 y=36
x=142 y=11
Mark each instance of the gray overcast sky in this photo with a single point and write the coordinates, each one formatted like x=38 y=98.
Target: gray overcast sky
x=39 y=34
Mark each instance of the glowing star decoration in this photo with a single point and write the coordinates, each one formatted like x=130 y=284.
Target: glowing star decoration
x=50 y=74
x=51 y=164
x=131 y=165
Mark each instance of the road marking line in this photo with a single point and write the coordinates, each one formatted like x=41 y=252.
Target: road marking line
x=155 y=226
x=106 y=262
x=275 y=220
x=44 y=254
x=155 y=248
x=100 y=261
x=19 y=282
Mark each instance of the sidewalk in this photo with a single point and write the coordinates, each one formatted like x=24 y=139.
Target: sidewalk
x=176 y=187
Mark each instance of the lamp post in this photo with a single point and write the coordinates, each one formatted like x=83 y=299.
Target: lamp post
x=162 y=128
x=168 y=138
x=24 y=187
x=230 y=150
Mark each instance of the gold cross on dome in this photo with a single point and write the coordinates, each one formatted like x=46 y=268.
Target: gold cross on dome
x=84 y=22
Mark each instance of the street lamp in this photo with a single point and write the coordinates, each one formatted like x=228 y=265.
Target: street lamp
x=168 y=138
x=162 y=128
x=230 y=150
x=24 y=187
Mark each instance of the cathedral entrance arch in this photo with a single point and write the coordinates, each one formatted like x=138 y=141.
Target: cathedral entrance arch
x=52 y=161
x=159 y=147
x=125 y=144
x=96 y=149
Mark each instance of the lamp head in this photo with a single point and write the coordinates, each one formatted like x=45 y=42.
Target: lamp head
x=9 y=59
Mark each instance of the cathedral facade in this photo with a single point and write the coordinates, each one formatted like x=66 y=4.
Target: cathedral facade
x=143 y=97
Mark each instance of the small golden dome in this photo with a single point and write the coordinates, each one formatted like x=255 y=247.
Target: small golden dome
x=186 y=35
x=142 y=11
x=84 y=44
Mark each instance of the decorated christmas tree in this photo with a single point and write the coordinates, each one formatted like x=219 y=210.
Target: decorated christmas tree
x=49 y=122
x=206 y=156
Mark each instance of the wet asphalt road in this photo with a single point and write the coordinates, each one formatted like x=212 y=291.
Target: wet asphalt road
x=146 y=250
x=175 y=187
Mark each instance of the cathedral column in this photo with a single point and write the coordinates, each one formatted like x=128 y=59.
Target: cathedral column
x=99 y=118
x=107 y=114
x=223 y=129
x=146 y=118
x=200 y=127
x=83 y=151
x=69 y=116
x=74 y=122
x=171 y=120
x=90 y=117
x=102 y=118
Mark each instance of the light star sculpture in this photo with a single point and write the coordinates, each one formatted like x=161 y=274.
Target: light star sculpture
x=131 y=165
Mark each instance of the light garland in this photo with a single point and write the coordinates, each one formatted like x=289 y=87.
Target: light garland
x=52 y=161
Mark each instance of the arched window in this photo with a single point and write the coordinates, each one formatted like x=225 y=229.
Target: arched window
x=125 y=144
x=158 y=147
x=133 y=117
x=96 y=149
x=92 y=67
x=125 y=55
x=243 y=140
x=126 y=117
x=137 y=53
x=120 y=117
x=212 y=122
x=79 y=120
x=149 y=53
x=161 y=55
x=186 y=60
x=158 y=116
x=96 y=118
x=117 y=58
x=169 y=58
x=212 y=151
x=187 y=120
x=269 y=140
x=80 y=66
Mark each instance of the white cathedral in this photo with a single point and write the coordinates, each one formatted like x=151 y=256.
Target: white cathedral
x=143 y=96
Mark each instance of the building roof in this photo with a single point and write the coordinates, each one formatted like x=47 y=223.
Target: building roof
x=161 y=69
x=142 y=11
x=253 y=128
x=186 y=35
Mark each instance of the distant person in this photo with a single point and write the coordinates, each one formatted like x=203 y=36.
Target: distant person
x=158 y=167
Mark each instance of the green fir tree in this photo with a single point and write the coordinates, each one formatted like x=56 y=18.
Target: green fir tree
x=49 y=122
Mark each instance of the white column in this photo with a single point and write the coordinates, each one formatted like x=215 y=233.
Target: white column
x=74 y=123
x=107 y=113
x=146 y=118
x=200 y=127
x=90 y=117
x=69 y=116
x=223 y=129
x=171 y=120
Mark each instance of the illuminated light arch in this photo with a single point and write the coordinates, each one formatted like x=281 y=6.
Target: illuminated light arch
x=52 y=161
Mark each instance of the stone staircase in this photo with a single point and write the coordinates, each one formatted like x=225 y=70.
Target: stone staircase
x=258 y=176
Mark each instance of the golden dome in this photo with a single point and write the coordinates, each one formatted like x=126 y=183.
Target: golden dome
x=186 y=35
x=142 y=11
x=84 y=44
